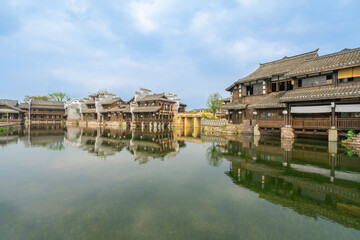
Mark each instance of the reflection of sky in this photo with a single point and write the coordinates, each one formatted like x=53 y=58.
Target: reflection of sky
x=70 y=193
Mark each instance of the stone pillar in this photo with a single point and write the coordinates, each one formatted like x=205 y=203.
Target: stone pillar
x=287 y=133
x=333 y=135
x=187 y=122
x=256 y=130
x=197 y=122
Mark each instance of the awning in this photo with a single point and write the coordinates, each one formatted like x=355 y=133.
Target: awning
x=347 y=108
x=312 y=109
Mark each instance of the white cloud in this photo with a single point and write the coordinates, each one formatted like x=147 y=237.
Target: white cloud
x=149 y=15
x=78 y=7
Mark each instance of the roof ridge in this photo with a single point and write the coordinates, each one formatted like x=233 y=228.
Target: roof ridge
x=289 y=58
x=344 y=51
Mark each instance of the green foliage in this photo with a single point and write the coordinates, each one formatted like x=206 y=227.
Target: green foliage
x=78 y=110
x=58 y=97
x=190 y=111
x=207 y=117
x=350 y=134
x=28 y=98
x=120 y=125
x=12 y=128
x=214 y=102
x=77 y=123
x=3 y=130
x=237 y=132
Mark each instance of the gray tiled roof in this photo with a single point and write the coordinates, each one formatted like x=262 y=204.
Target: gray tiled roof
x=270 y=101
x=228 y=99
x=278 y=67
x=13 y=103
x=47 y=104
x=343 y=59
x=9 y=108
x=112 y=101
x=154 y=97
x=90 y=110
x=115 y=109
x=347 y=90
x=146 y=109
x=233 y=105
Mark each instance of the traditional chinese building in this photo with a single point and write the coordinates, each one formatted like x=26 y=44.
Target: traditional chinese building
x=40 y=111
x=154 y=109
x=307 y=93
x=10 y=112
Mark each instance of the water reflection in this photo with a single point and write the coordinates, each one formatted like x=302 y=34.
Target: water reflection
x=315 y=179
x=309 y=177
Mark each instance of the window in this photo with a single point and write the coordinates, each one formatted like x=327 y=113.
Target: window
x=257 y=89
x=249 y=90
x=329 y=77
x=299 y=83
x=281 y=86
x=344 y=80
x=289 y=85
x=273 y=87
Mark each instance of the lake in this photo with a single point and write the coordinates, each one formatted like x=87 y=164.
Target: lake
x=78 y=183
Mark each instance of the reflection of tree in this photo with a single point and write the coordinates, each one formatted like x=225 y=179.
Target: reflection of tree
x=213 y=155
x=56 y=146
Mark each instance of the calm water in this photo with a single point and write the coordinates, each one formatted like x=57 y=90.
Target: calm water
x=106 y=184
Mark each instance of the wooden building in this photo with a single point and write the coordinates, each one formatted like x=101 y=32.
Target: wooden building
x=306 y=93
x=41 y=111
x=10 y=112
x=150 y=109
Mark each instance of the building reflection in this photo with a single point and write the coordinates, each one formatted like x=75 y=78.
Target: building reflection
x=143 y=145
x=307 y=177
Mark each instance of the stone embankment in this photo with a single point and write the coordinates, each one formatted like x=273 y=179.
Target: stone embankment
x=219 y=127
x=353 y=143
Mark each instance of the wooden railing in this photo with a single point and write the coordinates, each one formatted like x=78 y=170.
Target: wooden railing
x=48 y=112
x=311 y=123
x=10 y=120
x=271 y=123
x=348 y=123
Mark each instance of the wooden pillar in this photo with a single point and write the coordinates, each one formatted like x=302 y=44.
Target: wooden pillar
x=288 y=115
x=335 y=77
x=333 y=123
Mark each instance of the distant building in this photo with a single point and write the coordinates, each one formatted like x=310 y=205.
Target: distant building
x=44 y=111
x=10 y=112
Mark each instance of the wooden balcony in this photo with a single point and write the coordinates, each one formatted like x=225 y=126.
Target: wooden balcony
x=271 y=123
x=47 y=112
x=347 y=123
x=311 y=123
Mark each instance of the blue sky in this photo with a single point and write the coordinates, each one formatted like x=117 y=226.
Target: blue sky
x=192 y=48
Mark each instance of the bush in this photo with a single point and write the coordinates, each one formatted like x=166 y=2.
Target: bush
x=77 y=123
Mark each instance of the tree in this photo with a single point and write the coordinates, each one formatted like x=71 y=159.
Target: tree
x=214 y=102
x=28 y=98
x=58 y=97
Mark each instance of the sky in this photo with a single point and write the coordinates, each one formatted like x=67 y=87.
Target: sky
x=192 y=48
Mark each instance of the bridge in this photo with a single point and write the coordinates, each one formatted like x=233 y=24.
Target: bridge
x=188 y=120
